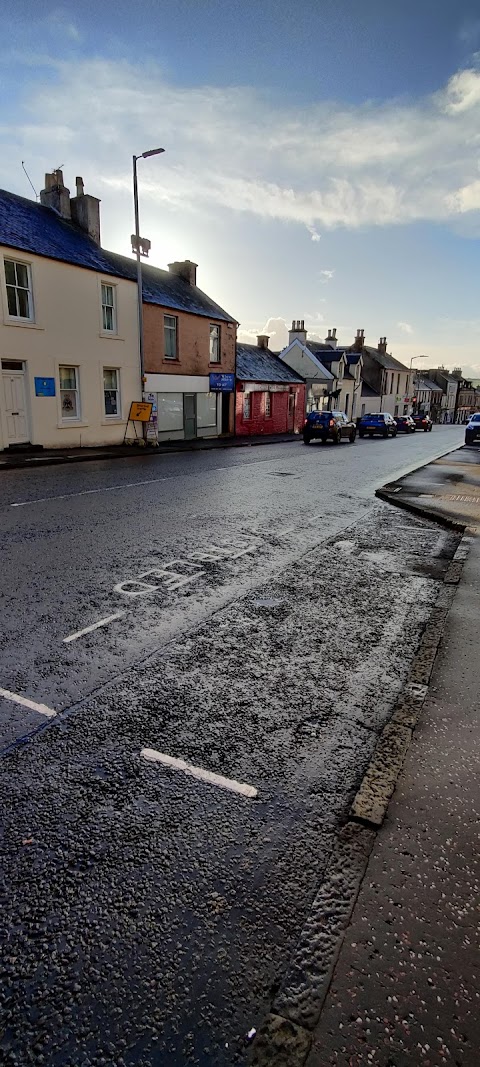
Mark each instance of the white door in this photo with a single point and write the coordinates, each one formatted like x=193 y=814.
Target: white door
x=15 y=407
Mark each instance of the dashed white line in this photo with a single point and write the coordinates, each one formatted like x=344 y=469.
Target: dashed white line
x=88 y=492
x=94 y=626
x=153 y=756
x=26 y=703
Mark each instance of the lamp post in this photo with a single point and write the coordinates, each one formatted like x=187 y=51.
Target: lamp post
x=140 y=248
x=410 y=371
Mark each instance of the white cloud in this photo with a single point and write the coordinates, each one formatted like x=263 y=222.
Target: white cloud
x=326 y=166
x=327 y=275
x=60 y=23
x=405 y=327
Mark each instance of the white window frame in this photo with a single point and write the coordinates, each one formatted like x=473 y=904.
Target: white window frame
x=174 y=329
x=214 y=336
x=66 y=419
x=29 y=290
x=110 y=332
x=118 y=416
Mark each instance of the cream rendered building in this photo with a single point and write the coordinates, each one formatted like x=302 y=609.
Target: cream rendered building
x=68 y=324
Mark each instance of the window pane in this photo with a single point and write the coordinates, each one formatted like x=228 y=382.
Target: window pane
x=170 y=331
x=110 y=379
x=170 y=411
x=107 y=318
x=68 y=378
x=214 y=344
x=23 y=299
x=206 y=409
x=107 y=295
x=111 y=402
x=69 y=404
x=22 y=275
x=12 y=300
x=10 y=272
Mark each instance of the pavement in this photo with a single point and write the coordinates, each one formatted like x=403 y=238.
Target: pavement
x=393 y=978
x=45 y=457
x=176 y=789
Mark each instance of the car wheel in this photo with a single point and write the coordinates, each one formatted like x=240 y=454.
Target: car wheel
x=352 y=437
x=394 y=434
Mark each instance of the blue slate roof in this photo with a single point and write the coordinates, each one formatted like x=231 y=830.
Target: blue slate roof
x=256 y=364
x=30 y=227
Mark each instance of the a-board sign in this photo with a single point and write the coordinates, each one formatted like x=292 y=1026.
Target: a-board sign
x=140 y=411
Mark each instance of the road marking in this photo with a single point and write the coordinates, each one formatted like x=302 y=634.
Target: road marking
x=153 y=756
x=88 y=492
x=26 y=703
x=94 y=626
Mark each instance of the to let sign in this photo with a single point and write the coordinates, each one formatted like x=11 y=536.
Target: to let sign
x=222 y=383
x=140 y=411
x=44 y=386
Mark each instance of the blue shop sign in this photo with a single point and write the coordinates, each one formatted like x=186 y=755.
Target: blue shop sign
x=222 y=383
x=44 y=386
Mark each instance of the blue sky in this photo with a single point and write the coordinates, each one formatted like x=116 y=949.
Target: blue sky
x=322 y=157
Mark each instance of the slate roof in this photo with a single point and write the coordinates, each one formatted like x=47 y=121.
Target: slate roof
x=30 y=227
x=256 y=364
x=426 y=383
x=385 y=360
x=368 y=391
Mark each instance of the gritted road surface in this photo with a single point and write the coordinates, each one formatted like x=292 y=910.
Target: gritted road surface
x=250 y=612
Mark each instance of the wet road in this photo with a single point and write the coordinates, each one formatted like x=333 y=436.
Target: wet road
x=149 y=913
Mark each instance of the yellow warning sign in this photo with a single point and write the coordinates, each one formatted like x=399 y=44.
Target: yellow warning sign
x=140 y=411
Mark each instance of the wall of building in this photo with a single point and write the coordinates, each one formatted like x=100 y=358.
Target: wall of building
x=66 y=330
x=278 y=420
x=193 y=343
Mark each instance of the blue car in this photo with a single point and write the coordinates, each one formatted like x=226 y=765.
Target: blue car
x=380 y=422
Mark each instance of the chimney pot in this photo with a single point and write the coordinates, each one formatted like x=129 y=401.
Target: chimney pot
x=262 y=340
x=79 y=185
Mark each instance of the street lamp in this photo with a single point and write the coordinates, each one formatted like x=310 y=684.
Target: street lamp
x=410 y=371
x=141 y=248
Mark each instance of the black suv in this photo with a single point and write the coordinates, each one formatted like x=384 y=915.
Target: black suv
x=423 y=422
x=380 y=422
x=328 y=426
x=472 y=429
x=404 y=423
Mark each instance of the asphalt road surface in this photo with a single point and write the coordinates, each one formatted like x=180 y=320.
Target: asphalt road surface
x=175 y=607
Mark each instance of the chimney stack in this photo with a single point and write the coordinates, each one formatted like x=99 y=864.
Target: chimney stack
x=262 y=340
x=185 y=269
x=86 y=212
x=332 y=338
x=55 y=195
x=382 y=346
x=298 y=331
x=359 y=341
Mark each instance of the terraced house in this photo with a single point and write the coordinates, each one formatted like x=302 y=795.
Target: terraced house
x=69 y=344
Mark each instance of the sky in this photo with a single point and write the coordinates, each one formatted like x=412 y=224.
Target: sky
x=322 y=157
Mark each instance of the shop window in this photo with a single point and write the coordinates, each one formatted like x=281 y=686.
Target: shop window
x=170 y=411
x=206 y=410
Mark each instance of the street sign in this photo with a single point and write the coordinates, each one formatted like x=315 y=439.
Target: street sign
x=222 y=383
x=44 y=386
x=140 y=411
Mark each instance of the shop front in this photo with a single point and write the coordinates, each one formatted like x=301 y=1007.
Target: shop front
x=189 y=406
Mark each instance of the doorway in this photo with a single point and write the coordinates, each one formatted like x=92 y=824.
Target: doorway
x=14 y=393
x=291 y=412
x=189 y=415
x=226 y=412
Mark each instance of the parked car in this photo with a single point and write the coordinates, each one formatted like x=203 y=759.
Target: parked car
x=328 y=426
x=405 y=423
x=423 y=422
x=379 y=422
x=472 y=429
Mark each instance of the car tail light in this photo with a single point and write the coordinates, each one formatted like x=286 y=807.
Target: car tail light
x=306 y=422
